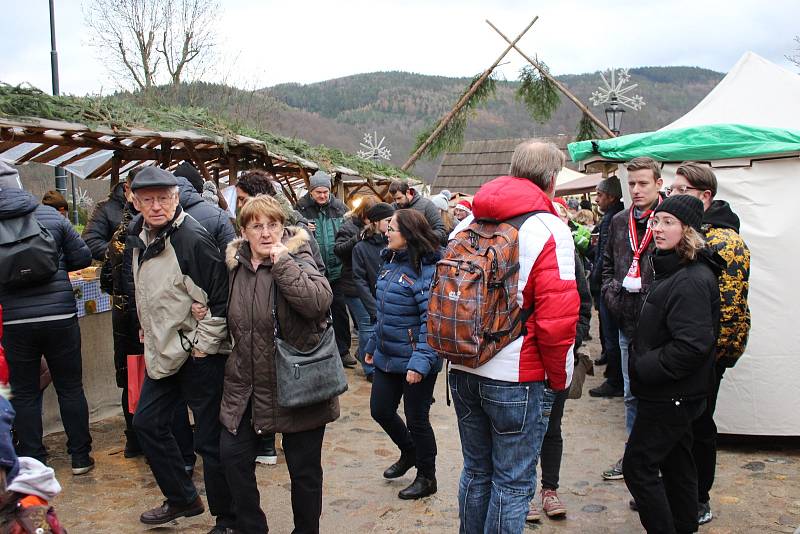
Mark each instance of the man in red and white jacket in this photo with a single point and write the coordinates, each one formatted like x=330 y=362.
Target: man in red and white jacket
x=501 y=405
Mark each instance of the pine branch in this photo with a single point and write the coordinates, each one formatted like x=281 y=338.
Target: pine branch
x=586 y=129
x=538 y=93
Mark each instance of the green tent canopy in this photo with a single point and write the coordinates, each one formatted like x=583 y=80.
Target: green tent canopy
x=710 y=142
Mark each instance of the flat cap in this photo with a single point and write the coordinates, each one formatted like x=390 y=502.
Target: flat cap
x=153 y=177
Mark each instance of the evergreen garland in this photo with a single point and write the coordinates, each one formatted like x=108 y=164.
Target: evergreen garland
x=538 y=93
x=451 y=138
x=586 y=129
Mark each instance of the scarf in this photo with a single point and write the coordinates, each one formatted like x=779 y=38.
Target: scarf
x=633 y=280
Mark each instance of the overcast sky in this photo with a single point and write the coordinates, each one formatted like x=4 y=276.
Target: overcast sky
x=263 y=43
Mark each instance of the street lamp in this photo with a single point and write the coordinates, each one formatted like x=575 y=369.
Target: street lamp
x=614 y=113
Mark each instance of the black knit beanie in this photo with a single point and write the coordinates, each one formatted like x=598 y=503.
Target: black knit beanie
x=188 y=171
x=380 y=211
x=688 y=209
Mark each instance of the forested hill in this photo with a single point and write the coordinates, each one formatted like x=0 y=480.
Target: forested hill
x=398 y=105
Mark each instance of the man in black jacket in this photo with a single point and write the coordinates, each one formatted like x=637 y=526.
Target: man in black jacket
x=609 y=199
x=41 y=319
x=213 y=218
x=104 y=221
x=406 y=196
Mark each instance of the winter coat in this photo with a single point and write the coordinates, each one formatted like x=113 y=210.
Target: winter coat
x=104 y=221
x=327 y=219
x=721 y=229
x=346 y=238
x=214 y=219
x=366 y=264
x=400 y=342
x=55 y=296
x=178 y=266
x=617 y=257
x=603 y=228
x=672 y=354
x=546 y=284
x=585 y=310
x=304 y=297
x=431 y=213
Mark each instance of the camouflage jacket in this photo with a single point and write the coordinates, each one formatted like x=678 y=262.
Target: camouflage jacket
x=721 y=229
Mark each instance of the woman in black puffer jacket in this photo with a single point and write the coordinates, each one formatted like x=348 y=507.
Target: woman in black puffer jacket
x=670 y=366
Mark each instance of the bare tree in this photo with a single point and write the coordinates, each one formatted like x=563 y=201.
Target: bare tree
x=795 y=58
x=134 y=36
x=188 y=34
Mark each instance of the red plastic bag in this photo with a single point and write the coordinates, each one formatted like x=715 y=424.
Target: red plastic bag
x=136 y=372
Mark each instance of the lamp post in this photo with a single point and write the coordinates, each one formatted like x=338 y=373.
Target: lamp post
x=614 y=113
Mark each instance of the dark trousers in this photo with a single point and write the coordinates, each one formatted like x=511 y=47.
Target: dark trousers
x=303 y=452
x=661 y=439
x=126 y=342
x=197 y=383
x=417 y=438
x=553 y=443
x=609 y=331
x=705 y=442
x=341 y=319
x=60 y=344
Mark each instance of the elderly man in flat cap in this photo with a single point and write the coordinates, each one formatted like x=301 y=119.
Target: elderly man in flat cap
x=175 y=263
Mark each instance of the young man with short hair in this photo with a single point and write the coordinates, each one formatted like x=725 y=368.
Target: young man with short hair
x=627 y=271
x=721 y=230
x=406 y=196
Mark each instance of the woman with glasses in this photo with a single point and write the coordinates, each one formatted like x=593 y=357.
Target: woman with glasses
x=405 y=366
x=272 y=270
x=670 y=366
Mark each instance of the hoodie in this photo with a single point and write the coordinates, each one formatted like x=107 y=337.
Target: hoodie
x=35 y=478
x=721 y=229
x=53 y=298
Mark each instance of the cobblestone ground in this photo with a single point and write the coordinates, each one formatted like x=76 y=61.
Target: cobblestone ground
x=757 y=487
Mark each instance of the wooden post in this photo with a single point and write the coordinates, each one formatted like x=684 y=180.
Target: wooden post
x=115 y=164
x=201 y=165
x=166 y=153
x=215 y=175
x=462 y=102
x=232 y=170
x=600 y=124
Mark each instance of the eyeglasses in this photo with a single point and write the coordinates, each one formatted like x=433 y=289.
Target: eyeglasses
x=162 y=200
x=272 y=227
x=665 y=223
x=681 y=189
x=390 y=229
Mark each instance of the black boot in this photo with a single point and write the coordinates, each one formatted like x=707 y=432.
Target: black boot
x=401 y=466
x=132 y=447
x=421 y=487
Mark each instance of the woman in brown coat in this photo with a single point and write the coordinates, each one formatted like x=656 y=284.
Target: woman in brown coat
x=272 y=254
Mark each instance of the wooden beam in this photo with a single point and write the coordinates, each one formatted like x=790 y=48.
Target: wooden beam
x=78 y=157
x=53 y=154
x=33 y=153
x=165 y=153
x=7 y=145
x=581 y=106
x=115 y=163
x=462 y=102
x=198 y=161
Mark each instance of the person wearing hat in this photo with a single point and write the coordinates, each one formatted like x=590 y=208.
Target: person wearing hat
x=442 y=203
x=366 y=265
x=325 y=215
x=609 y=200
x=671 y=367
x=462 y=210
x=175 y=263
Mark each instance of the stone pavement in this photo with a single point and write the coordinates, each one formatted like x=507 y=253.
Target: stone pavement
x=757 y=488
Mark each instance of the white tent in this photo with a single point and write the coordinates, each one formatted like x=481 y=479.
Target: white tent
x=761 y=395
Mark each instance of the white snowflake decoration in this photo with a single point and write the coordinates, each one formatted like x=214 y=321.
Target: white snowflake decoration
x=83 y=199
x=615 y=90
x=373 y=149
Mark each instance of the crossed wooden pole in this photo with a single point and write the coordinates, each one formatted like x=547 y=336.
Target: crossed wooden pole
x=474 y=87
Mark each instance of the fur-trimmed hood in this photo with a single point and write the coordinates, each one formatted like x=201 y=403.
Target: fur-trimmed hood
x=294 y=238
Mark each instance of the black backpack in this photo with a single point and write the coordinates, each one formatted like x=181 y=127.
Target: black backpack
x=28 y=252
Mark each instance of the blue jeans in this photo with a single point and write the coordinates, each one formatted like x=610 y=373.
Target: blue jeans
x=501 y=425
x=365 y=330
x=630 y=400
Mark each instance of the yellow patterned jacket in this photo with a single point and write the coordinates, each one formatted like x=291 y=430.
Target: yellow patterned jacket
x=721 y=229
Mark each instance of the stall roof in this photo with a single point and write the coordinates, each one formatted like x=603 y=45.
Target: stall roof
x=584 y=184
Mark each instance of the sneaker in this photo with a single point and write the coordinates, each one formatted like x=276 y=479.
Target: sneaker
x=552 y=505
x=615 y=473
x=534 y=516
x=704 y=514
x=82 y=464
x=605 y=390
x=348 y=360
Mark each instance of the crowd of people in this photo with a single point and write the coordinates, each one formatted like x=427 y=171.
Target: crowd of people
x=500 y=287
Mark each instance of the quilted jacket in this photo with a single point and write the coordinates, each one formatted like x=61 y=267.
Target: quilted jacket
x=304 y=297
x=327 y=219
x=400 y=342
